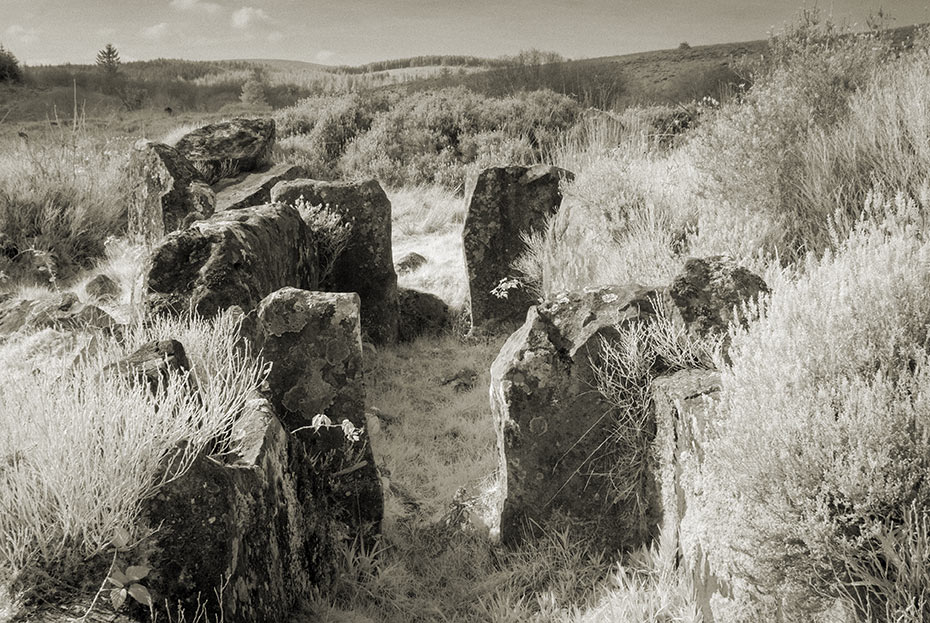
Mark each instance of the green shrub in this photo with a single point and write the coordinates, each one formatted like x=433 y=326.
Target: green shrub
x=821 y=442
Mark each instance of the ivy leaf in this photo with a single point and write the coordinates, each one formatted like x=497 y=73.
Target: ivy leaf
x=118 y=597
x=137 y=572
x=118 y=578
x=120 y=538
x=141 y=594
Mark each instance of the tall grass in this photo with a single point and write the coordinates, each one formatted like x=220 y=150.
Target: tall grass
x=81 y=448
x=63 y=192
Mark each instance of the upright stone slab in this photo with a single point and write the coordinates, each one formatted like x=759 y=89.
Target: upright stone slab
x=166 y=192
x=366 y=265
x=554 y=428
x=683 y=406
x=313 y=340
x=234 y=258
x=503 y=204
x=235 y=519
x=225 y=149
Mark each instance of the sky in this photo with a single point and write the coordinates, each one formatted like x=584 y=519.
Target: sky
x=352 y=32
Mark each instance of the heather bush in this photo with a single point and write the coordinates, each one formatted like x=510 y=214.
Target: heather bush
x=821 y=440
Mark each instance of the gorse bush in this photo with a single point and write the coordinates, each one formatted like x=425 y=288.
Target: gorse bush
x=821 y=441
x=433 y=137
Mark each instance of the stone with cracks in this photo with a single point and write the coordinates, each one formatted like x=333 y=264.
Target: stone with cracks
x=166 y=192
x=553 y=427
x=235 y=258
x=366 y=265
x=504 y=203
x=314 y=340
x=228 y=148
x=233 y=519
x=252 y=189
x=683 y=408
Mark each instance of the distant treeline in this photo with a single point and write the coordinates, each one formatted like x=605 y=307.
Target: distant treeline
x=524 y=57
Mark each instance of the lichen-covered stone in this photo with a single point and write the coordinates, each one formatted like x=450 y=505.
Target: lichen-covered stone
x=683 y=405
x=236 y=257
x=166 y=192
x=553 y=426
x=314 y=342
x=252 y=189
x=236 y=521
x=228 y=148
x=504 y=203
x=708 y=290
x=422 y=313
x=366 y=265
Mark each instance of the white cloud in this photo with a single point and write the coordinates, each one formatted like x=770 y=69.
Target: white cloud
x=275 y=35
x=324 y=56
x=21 y=33
x=248 y=16
x=195 y=5
x=155 y=32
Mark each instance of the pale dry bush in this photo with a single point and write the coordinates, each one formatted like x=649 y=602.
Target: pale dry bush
x=81 y=449
x=821 y=440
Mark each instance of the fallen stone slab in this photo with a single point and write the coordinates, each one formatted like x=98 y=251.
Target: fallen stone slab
x=228 y=148
x=252 y=189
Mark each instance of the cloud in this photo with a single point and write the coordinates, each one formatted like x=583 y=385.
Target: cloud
x=248 y=16
x=21 y=33
x=155 y=32
x=275 y=35
x=195 y=5
x=324 y=56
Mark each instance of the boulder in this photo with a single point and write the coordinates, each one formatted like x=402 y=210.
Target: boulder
x=504 y=203
x=366 y=265
x=421 y=313
x=63 y=311
x=166 y=192
x=554 y=428
x=225 y=149
x=252 y=189
x=237 y=521
x=683 y=408
x=153 y=363
x=103 y=288
x=314 y=342
x=709 y=289
x=234 y=258
x=409 y=263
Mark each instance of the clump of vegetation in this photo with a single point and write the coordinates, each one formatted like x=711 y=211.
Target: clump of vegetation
x=81 y=449
x=820 y=452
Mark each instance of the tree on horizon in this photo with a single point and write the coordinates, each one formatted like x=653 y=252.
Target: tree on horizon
x=108 y=60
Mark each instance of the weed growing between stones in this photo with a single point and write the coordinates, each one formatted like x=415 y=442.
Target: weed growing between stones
x=330 y=232
x=624 y=373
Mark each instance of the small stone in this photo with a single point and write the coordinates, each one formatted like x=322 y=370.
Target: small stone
x=103 y=288
x=409 y=263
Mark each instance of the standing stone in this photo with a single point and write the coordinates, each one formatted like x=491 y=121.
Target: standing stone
x=234 y=258
x=366 y=265
x=226 y=149
x=554 y=428
x=683 y=409
x=503 y=204
x=233 y=518
x=314 y=342
x=166 y=192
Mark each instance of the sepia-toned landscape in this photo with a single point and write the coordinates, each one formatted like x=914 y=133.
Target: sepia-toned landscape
x=507 y=339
